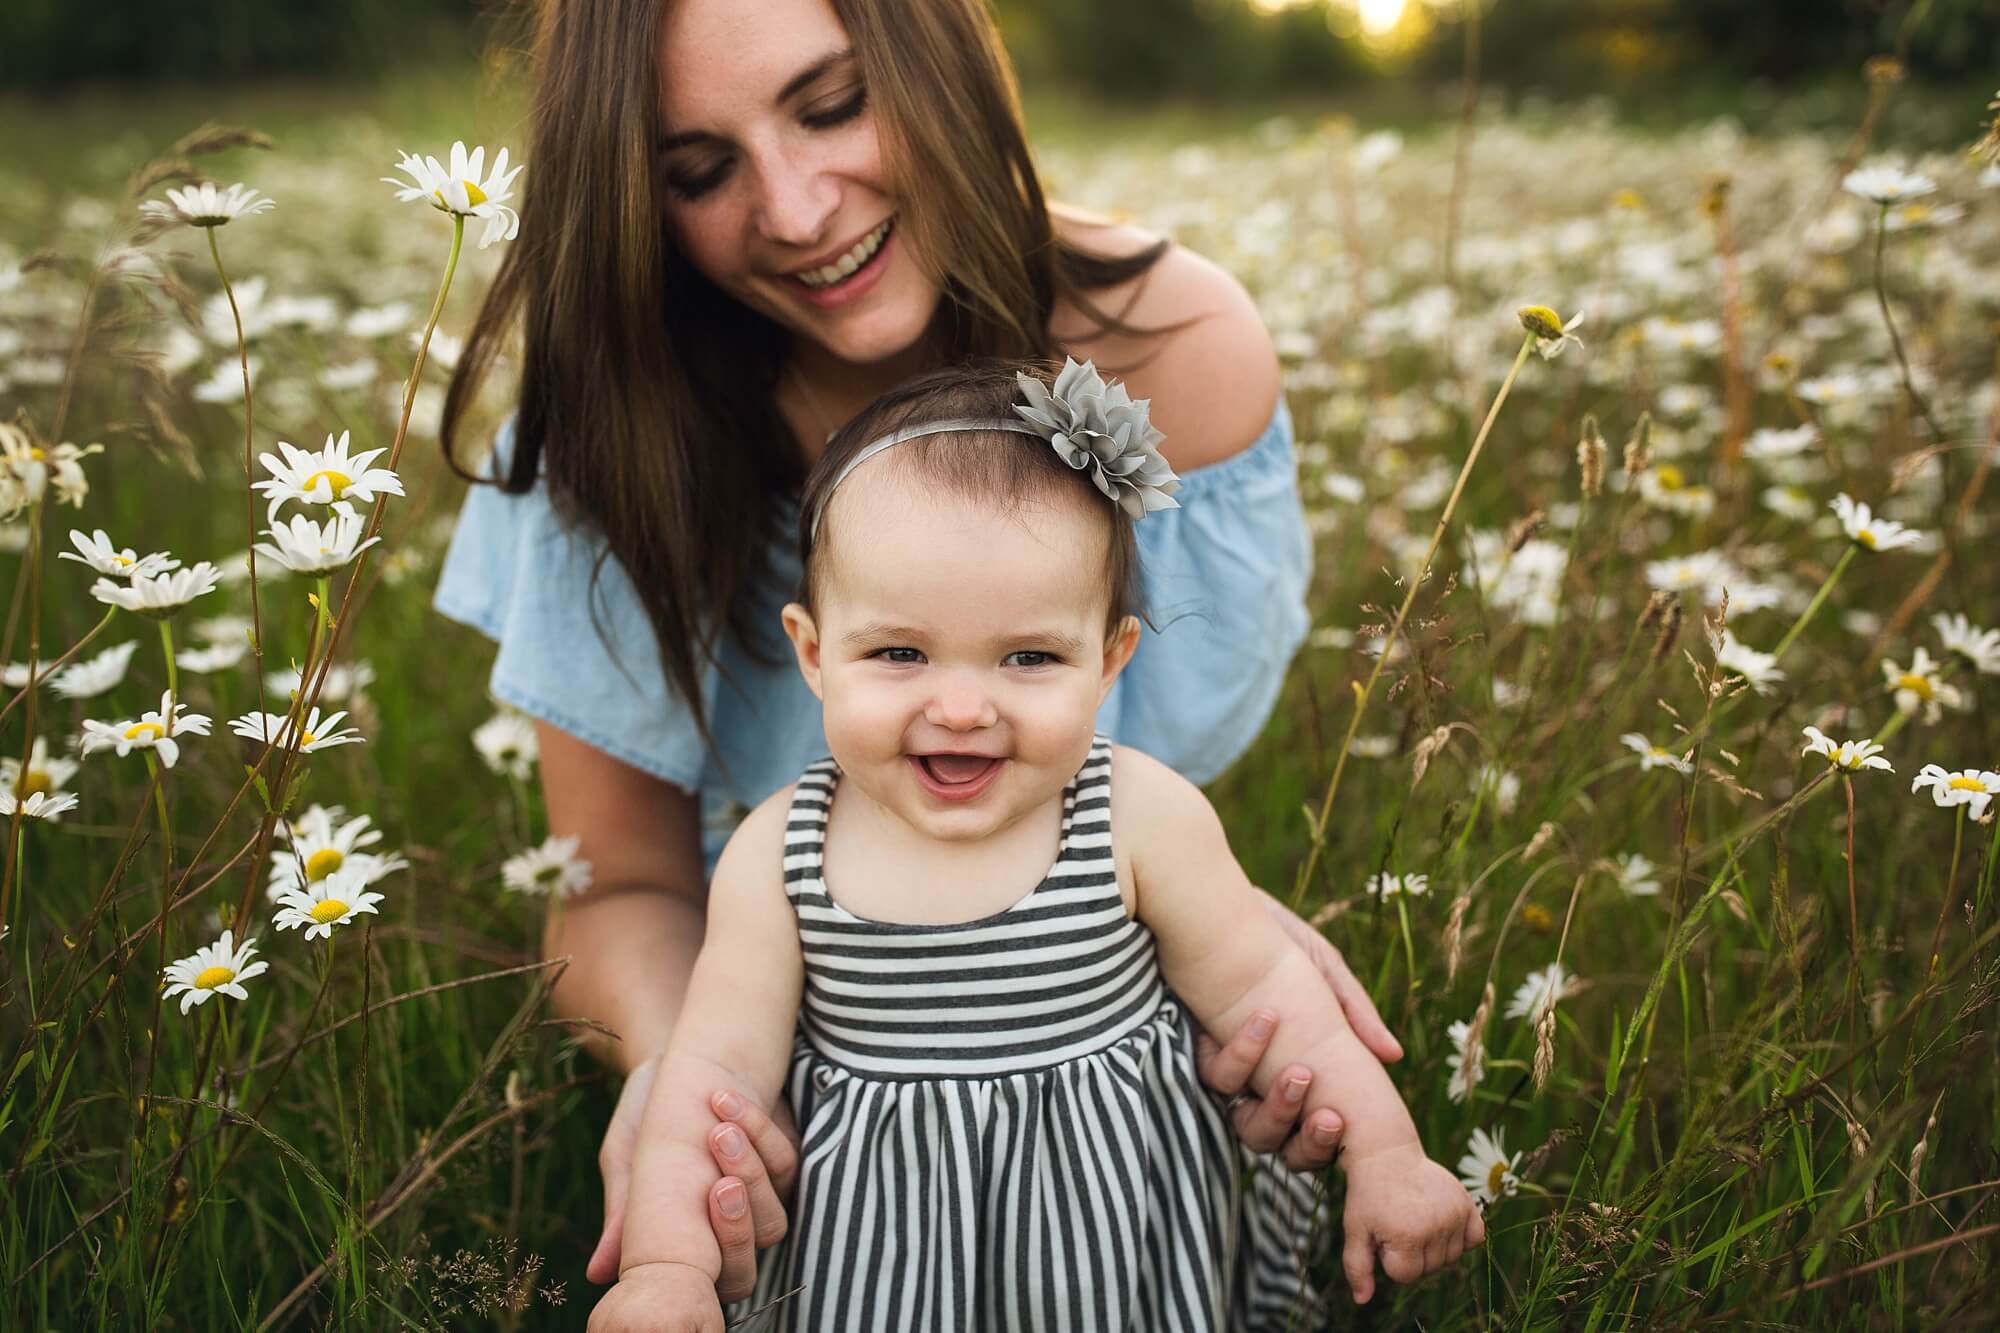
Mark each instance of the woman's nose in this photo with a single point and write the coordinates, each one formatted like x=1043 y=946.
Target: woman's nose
x=797 y=200
x=960 y=704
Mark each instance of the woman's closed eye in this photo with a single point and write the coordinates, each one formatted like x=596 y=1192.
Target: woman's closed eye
x=692 y=180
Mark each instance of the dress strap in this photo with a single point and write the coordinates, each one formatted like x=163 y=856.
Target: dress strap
x=805 y=828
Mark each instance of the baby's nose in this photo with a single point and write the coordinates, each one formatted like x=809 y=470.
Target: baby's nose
x=961 y=705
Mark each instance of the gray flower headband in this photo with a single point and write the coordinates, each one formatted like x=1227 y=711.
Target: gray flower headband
x=1094 y=427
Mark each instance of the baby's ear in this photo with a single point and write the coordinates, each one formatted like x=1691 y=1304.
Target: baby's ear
x=803 y=631
x=1118 y=650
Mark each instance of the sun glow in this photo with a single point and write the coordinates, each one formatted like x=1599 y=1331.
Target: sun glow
x=1379 y=17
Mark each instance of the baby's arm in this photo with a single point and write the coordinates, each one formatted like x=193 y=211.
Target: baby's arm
x=1225 y=956
x=735 y=1031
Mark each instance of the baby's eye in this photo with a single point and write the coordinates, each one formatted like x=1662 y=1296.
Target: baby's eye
x=1030 y=658
x=900 y=656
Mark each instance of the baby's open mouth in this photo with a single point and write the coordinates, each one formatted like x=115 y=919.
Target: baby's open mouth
x=954 y=770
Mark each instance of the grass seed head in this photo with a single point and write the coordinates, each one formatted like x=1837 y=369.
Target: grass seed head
x=1590 y=457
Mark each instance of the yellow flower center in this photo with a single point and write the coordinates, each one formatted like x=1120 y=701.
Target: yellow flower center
x=337 y=481
x=473 y=194
x=1920 y=686
x=1915 y=212
x=144 y=731
x=1865 y=536
x=1541 y=321
x=121 y=559
x=1537 y=918
x=31 y=781
x=1496 y=1178
x=1659 y=753
x=1669 y=477
x=306 y=738
x=1627 y=199
x=332 y=909
x=1960 y=782
x=323 y=863
x=211 y=977
x=37 y=453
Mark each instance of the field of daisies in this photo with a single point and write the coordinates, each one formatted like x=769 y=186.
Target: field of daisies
x=1641 y=758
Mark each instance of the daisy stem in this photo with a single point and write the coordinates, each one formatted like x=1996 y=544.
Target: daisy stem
x=1896 y=339
x=1853 y=912
x=1409 y=952
x=417 y=370
x=1819 y=598
x=249 y=429
x=173 y=677
x=333 y=1057
x=1944 y=908
x=1986 y=879
x=1361 y=692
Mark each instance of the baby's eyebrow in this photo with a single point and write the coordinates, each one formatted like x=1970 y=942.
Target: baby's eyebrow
x=876 y=630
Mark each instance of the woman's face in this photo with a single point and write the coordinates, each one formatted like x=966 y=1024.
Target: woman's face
x=776 y=186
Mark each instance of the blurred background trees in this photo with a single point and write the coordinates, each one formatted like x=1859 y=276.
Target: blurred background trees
x=1208 y=48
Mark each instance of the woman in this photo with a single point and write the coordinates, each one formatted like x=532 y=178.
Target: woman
x=748 y=218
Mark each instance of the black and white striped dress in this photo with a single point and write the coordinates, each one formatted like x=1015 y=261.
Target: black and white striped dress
x=1002 y=1125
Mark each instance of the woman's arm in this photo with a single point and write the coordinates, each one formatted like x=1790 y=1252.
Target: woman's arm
x=633 y=939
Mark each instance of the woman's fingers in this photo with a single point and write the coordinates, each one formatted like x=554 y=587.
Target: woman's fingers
x=772 y=1139
x=1227 y=1069
x=1340 y=978
x=1265 y=1124
x=1313 y=1147
x=614 y=1162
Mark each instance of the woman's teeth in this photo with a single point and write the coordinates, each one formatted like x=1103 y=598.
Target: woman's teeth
x=864 y=250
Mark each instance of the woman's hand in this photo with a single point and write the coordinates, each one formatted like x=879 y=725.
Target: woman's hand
x=759 y=1159
x=1267 y=1124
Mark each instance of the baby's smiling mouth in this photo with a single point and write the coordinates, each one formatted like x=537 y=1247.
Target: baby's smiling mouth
x=954 y=770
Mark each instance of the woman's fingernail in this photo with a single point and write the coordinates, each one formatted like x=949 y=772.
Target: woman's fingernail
x=728 y=1105
x=1263 y=1025
x=734 y=1201
x=730 y=1140
x=1295 y=1088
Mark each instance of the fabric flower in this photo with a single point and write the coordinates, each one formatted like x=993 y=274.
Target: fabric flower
x=1097 y=428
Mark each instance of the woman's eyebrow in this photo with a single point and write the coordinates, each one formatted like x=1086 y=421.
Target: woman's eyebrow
x=797 y=84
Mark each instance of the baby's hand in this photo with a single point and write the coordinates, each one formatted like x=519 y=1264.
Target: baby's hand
x=1409 y=1208
x=659 y=1298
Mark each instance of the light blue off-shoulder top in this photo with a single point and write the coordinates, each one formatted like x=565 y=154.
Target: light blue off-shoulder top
x=1225 y=578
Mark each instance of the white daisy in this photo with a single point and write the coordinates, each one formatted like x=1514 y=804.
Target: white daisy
x=1653 y=756
x=277 y=729
x=323 y=904
x=162 y=595
x=342 y=681
x=1853 y=756
x=225 y=383
x=381 y=321
x=205 y=206
x=220 y=968
x=1969 y=786
x=41 y=774
x=1759 y=670
x=1886 y=184
x=1770 y=442
x=552 y=868
x=1922 y=689
x=1864 y=529
x=212 y=657
x=306 y=546
x=324 y=475
x=28 y=470
x=321 y=843
x=1635 y=875
x=1916 y=217
x=1790 y=502
x=508 y=744
x=97 y=551
x=40 y=805
x=1486 y=1169
x=150 y=732
x=1540 y=992
x=96 y=675
x=1551 y=334
x=463 y=190
x=1465 y=1074
x=1501 y=786
x=1388 y=886
x=1980 y=647
x=1667 y=487
x=1707 y=572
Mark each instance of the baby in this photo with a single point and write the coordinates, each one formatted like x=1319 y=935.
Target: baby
x=973 y=946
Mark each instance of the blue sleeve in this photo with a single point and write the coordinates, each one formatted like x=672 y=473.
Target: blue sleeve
x=1226 y=577
x=519 y=575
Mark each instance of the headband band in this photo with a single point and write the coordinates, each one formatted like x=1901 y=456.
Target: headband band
x=1094 y=427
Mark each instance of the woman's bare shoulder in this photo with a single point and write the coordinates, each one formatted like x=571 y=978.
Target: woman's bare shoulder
x=1212 y=373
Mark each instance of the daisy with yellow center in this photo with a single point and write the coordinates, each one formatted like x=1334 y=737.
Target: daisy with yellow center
x=1487 y=1170
x=323 y=475
x=281 y=730
x=41 y=775
x=155 y=730
x=205 y=206
x=550 y=870
x=1551 y=333
x=1922 y=688
x=1848 y=756
x=220 y=968
x=1653 y=756
x=1864 y=529
x=322 y=843
x=464 y=189
x=1971 y=787
x=1667 y=487
x=323 y=904
x=97 y=551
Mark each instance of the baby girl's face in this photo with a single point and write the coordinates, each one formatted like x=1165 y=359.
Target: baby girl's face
x=960 y=654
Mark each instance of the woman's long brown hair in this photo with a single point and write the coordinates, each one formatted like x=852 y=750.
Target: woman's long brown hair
x=646 y=394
